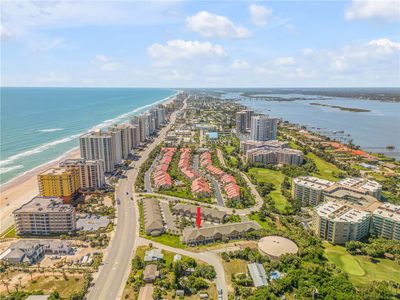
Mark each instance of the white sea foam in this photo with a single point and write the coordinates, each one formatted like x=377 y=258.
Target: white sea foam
x=9 y=169
x=50 y=130
x=49 y=145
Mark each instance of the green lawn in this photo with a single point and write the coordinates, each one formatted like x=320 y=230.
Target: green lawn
x=276 y=178
x=10 y=232
x=231 y=267
x=167 y=239
x=361 y=269
x=267 y=224
x=326 y=170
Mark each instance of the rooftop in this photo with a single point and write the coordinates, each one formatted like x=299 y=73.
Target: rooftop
x=45 y=205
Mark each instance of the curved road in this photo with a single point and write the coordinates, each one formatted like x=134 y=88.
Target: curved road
x=110 y=280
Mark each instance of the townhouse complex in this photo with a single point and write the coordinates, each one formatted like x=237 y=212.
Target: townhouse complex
x=347 y=210
x=44 y=216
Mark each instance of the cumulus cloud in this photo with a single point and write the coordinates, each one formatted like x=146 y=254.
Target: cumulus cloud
x=107 y=63
x=285 y=61
x=259 y=14
x=373 y=9
x=214 y=26
x=307 y=51
x=181 y=49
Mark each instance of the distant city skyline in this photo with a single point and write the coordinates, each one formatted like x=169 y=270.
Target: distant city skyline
x=200 y=44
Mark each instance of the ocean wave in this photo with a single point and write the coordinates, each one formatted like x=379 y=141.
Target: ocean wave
x=38 y=149
x=9 y=169
x=50 y=130
x=102 y=125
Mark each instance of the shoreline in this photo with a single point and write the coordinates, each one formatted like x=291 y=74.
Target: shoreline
x=20 y=189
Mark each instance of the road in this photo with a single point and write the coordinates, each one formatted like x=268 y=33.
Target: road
x=112 y=275
x=210 y=258
x=147 y=177
x=217 y=189
x=221 y=157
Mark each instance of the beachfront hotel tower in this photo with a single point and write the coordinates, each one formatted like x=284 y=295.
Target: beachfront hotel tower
x=91 y=172
x=263 y=128
x=59 y=182
x=98 y=145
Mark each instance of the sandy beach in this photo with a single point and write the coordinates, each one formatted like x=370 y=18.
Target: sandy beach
x=23 y=188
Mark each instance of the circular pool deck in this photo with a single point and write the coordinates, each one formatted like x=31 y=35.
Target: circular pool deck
x=275 y=246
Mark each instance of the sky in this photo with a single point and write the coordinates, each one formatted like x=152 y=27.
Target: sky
x=200 y=43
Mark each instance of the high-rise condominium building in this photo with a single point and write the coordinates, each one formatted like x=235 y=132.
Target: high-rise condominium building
x=386 y=221
x=91 y=172
x=339 y=223
x=44 y=216
x=249 y=114
x=124 y=134
x=309 y=190
x=98 y=145
x=59 y=182
x=263 y=128
x=241 y=122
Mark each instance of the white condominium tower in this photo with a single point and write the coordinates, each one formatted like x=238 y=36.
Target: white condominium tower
x=125 y=135
x=101 y=145
x=263 y=128
x=91 y=172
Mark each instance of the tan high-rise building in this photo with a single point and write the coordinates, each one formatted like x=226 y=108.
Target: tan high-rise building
x=91 y=172
x=44 y=216
x=59 y=182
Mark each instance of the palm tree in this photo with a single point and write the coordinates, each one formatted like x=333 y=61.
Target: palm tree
x=19 y=279
x=6 y=284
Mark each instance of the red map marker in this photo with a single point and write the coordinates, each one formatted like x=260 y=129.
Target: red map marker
x=198 y=218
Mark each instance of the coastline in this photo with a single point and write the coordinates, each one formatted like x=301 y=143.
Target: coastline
x=23 y=187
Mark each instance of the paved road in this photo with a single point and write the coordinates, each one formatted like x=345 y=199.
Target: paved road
x=210 y=258
x=147 y=177
x=221 y=157
x=217 y=189
x=111 y=278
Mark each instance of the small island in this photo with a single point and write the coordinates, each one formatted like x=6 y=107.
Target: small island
x=341 y=107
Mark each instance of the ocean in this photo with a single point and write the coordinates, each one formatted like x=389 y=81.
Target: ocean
x=41 y=124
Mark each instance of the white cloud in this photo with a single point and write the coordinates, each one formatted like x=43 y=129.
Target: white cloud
x=180 y=49
x=214 y=26
x=5 y=33
x=373 y=9
x=384 y=45
x=46 y=45
x=107 y=63
x=307 y=51
x=285 y=61
x=259 y=14
x=240 y=64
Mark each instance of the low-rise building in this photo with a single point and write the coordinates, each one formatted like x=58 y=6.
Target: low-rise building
x=204 y=235
x=309 y=189
x=386 y=221
x=339 y=223
x=44 y=216
x=201 y=188
x=257 y=273
x=153 y=222
x=150 y=273
x=31 y=251
x=153 y=255
x=247 y=145
x=162 y=179
x=208 y=214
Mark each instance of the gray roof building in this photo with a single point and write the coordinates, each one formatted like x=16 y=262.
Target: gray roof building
x=257 y=273
x=209 y=214
x=210 y=234
x=153 y=222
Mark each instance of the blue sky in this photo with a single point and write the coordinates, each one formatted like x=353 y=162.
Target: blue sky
x=200 y=43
